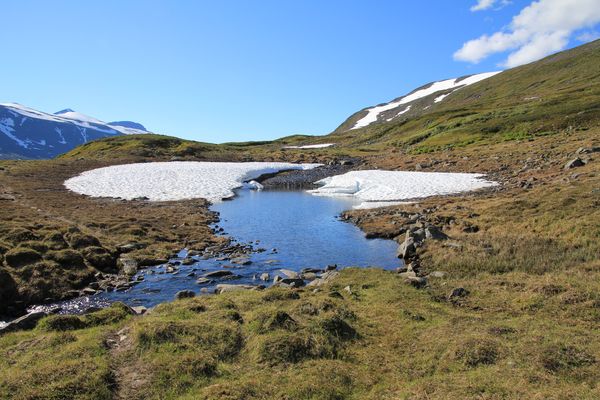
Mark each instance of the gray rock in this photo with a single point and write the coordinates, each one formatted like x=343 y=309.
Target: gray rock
x=203 y=281
x=574 y=163
x=290 y=274
x=293 y=282
x=184 y=294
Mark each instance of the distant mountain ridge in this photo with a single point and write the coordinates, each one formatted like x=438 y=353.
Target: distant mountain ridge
x=31 y=134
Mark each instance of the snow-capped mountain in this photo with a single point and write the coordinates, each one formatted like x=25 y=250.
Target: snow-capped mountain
x=414 y=103
x=28 y=133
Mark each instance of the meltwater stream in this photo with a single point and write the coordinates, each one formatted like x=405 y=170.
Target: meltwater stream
x=304 y=229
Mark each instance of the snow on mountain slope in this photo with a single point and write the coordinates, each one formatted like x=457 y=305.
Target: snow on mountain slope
x=29 y=133
x=383 y=112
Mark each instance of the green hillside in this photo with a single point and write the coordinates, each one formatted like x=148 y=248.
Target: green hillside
x=558 y=93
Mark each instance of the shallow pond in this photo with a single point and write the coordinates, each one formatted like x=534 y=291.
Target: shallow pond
x=304 y=229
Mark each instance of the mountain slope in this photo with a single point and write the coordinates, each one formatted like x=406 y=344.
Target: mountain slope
x=560 y=92
x=28 y=133
x=414 y=103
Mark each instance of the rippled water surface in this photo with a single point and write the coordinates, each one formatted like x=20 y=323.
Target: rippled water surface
x=304 y=229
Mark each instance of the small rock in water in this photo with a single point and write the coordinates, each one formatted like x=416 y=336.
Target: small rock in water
x=184 y=294
x=331 y=267
x=265 y=277
x=289 y=273
x=203 y=281
x=217 y=274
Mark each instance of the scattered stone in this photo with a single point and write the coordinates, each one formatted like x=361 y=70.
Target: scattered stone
x=203 y=281
x=458 y=292
x=348 y=289
x=184 y=294
x=331 y=267
x=437 y=274
x=416 y=281
x=224 y=288
x=188 y=261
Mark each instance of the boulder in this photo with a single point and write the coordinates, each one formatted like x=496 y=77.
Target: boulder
x=25 y=322
x=407 y=249
x=433 y=232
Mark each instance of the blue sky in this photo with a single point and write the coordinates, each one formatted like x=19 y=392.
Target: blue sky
x=250 y=70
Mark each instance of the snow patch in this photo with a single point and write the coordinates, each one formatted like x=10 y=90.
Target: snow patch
x=166 y=181
x=310 y=146
x=393 y=186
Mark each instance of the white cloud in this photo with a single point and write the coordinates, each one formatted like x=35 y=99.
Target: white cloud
x=483 y=5
x=541 y=28
x=487 y=4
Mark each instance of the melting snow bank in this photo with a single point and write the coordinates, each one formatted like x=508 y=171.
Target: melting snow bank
x=381 y=188
x=165 y=181
x=311 y=146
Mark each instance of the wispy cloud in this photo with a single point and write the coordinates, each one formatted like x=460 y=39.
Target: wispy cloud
x=487 y=4
x=543 y=27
